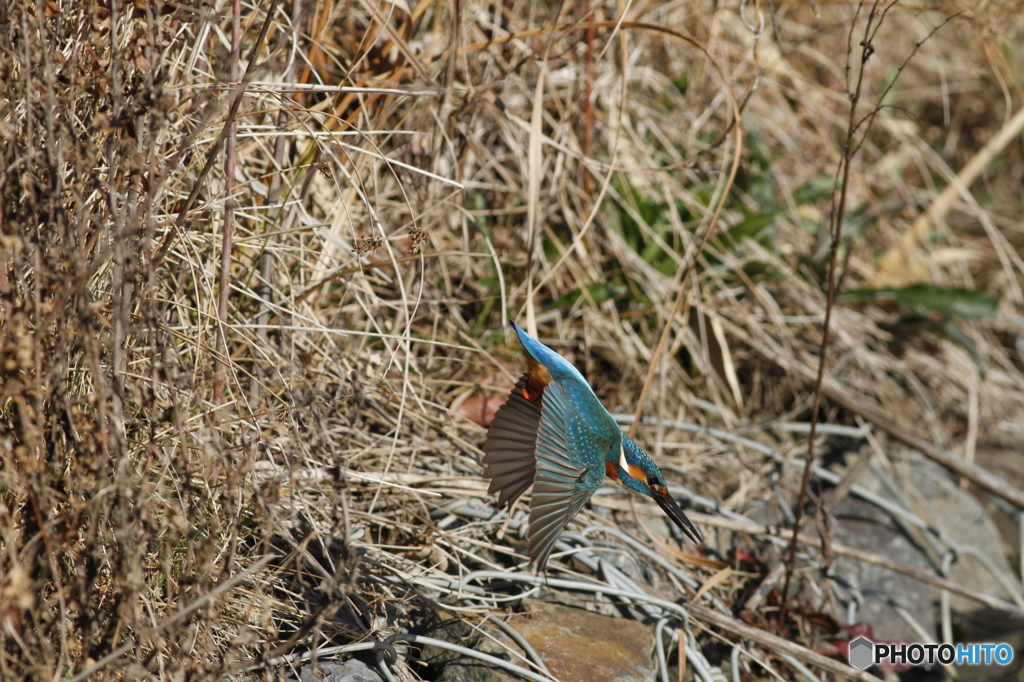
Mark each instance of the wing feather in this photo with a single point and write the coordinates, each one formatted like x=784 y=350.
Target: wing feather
x=564 y=480
x=510 y=449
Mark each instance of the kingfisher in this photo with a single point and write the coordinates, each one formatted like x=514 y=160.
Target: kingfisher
x=555 y=434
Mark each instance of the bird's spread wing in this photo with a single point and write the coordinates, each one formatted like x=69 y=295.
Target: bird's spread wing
x=565 y=478
x=511 y=446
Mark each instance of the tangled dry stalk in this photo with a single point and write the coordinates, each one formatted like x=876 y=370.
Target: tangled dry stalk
x=254 y=267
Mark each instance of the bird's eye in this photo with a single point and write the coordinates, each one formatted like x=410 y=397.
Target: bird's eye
x=651 y=480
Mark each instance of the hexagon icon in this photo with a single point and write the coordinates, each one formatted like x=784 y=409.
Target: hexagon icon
x=862 y=653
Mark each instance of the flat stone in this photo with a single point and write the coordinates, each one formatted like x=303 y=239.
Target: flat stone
x=864 y=526
x=957 y=512
x=351 y=670
x=580 y=645
x=938 y=499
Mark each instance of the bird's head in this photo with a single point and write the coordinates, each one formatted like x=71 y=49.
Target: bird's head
x=638 y=472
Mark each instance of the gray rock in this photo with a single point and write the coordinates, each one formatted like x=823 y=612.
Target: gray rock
x=935 y=496
x=864 y=526
x=941 y=501
x=351 y=670
x=456 y=667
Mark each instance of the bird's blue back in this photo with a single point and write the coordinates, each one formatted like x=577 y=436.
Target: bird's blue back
x=595 y=435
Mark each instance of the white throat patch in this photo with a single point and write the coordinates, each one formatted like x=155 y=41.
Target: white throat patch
x=622 y=459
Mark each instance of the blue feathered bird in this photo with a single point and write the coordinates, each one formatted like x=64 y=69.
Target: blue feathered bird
x=555 y=434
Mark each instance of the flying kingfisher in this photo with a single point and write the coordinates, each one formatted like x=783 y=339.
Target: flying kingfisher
x=554 y=433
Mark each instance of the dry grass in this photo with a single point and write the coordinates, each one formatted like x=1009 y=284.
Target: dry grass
x=207 y=468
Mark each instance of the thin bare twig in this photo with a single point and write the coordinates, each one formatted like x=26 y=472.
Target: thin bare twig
x=839 y=215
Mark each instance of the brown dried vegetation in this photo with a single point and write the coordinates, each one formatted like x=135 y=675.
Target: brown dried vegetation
x=189 y=491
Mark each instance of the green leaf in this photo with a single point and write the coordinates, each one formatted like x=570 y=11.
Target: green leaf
x=751 y=226
x=923 y=298
x=813 y=190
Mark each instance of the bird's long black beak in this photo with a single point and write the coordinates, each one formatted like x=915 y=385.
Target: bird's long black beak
x=669 y=505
